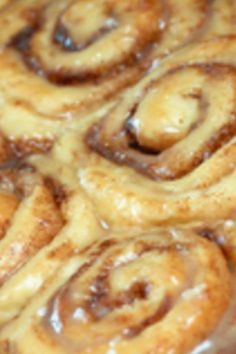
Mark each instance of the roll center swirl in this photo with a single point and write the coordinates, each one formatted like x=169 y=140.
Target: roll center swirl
x=175 y=127
x=74 y=31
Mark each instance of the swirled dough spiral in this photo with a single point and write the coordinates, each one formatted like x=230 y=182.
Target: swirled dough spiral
x=52 y=68
x=177 y=127
x=129 y=294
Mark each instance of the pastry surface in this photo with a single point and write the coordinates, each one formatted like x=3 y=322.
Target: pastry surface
x=117 y=177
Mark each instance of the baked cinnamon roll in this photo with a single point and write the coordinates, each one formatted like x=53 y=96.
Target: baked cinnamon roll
x=30 y=219
x=39 y=222
x=56 y=62
x=117 y=172
x=129 y=293
x=174 y=135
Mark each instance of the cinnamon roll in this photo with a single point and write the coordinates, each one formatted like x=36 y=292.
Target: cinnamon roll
x=128 y=295
x=32 y=256
x=30 y=219
x=174 y=136
x=117 y=173
x=52 y=68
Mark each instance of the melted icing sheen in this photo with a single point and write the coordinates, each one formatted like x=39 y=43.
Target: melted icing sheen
x=117 y=177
